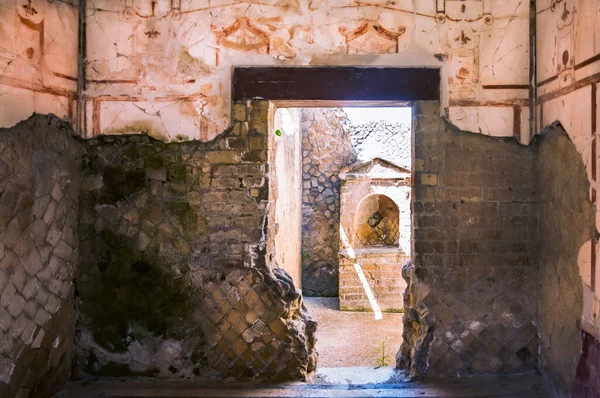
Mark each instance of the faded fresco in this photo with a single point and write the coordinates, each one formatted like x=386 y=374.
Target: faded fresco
x=568 y=72
x=38 y=59
x=163 y=66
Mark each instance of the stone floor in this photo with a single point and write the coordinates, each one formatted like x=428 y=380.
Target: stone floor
x=331 y=382
x=347 y=339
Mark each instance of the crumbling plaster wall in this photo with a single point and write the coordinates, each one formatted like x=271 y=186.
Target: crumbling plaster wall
x=152 y=67
x=38 y=59
x=471 y=303
x=173 y=280
x=39 y=212
x=568 y=72
x=284 y=235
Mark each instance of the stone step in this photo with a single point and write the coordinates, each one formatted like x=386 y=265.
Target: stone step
x=327 y=382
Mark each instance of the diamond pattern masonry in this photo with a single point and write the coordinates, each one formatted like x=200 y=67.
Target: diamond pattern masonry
x=39 y=191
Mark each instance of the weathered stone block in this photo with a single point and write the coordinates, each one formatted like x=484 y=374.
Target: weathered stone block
x=239 y=112
x=223 y=157
x=16 y=305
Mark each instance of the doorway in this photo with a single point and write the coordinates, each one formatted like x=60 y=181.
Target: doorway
x=340 y=222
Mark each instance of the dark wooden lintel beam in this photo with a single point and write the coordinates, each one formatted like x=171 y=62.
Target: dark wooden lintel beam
x=336 y=83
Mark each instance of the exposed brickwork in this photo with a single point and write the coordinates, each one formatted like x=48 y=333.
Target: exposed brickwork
x=472 y=299
x=566 y=221
x=174 y=232
x=39 y=190
x=381 y=265
x=172 y=277
x=383 y=272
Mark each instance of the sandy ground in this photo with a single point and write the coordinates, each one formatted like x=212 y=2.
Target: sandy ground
x=353 y=338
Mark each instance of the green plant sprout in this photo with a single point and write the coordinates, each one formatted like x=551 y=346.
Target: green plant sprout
x=382 y=358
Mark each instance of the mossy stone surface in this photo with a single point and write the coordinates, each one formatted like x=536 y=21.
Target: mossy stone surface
x=134 y=291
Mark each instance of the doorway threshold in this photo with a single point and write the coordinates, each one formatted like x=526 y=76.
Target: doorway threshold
x=357 y=375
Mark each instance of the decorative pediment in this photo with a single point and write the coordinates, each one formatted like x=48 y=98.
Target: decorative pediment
x=376 y=168
x=371 y=38
x=242 y=35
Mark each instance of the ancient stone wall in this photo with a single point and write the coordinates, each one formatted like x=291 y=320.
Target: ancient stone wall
x=566 y=222
x=567 y=59
x=39 y=205
x=330 y=143
x=587 y=383
x=382 y=276
x=326 y=149
x=173 y=280
x=382 y=139
x=472 y=298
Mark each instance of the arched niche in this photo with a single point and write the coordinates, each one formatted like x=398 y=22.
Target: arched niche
x=377 y=222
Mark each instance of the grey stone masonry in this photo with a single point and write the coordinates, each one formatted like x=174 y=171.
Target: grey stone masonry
x=172 y=278
x=471 y=302
x=39 y=205
x=566 y=221
x=326 y=149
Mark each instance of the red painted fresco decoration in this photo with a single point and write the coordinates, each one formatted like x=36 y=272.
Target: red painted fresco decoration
x=371 y=38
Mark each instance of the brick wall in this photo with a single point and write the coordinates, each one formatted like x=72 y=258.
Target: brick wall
x=472 y=297
x=173 y=280
x=39 y=203
x=381 y=265
x=382 y=272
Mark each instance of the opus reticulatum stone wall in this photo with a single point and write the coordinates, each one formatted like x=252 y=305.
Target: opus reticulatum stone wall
x=471 y=302
x=326 y=149
x=566 y=220
x=39 y=206
x=173 y=280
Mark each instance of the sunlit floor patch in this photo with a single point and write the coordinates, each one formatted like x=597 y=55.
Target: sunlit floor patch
x=353 y=338
x=358 y=375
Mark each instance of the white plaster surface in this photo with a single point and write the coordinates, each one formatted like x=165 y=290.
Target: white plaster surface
x=184 y=47
x=38 y=58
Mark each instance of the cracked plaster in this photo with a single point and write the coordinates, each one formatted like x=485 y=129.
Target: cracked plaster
x=161 y=51
x=38 y=59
